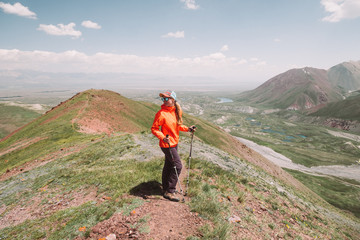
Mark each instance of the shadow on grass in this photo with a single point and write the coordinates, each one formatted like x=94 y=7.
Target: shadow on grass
x=145 y=189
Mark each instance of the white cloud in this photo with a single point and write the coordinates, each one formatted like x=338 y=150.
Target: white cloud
x=190 y=4
x=217 y=56
x=277 y=40
x=178 y=34
x=17 y=9
x=60 y=30
x=341 y=9
x=224 y=48
x=90 y=24
x=254 y=59
x=214 y=65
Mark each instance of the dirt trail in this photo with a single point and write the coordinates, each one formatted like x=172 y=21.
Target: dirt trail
x=169 y=220
x=157 y=218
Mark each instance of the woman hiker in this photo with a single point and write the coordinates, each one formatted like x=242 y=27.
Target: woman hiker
x=166 y=127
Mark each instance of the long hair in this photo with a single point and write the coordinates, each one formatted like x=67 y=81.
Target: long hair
x=178 y=113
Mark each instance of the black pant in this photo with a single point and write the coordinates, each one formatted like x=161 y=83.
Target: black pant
x=169 y=178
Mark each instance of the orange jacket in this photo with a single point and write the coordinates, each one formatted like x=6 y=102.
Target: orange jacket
x=165 y=124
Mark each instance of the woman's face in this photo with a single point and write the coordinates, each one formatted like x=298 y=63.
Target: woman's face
x=169 y=103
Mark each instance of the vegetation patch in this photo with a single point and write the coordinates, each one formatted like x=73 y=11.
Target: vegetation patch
x=14 y=117
x=343 y=195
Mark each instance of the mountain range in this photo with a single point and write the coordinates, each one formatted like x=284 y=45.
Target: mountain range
x=306 y=88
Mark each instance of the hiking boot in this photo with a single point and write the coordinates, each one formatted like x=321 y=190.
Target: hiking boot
x=171 y=197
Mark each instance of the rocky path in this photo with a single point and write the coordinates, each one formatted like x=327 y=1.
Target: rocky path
x=156 y=219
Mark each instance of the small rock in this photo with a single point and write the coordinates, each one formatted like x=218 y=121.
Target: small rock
x=111 y=237
x=263 y=208
x=234 y=218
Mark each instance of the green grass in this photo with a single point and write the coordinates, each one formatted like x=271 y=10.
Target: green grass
x=208 y=199
x=318 y=148
x=333 y=190
x=14 y=117
x=348 y=109
x=99 y=167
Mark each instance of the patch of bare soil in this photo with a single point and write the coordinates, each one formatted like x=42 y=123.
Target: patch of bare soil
x=170 y=220
x=43 y=204
x=103 y=114
x=155 y=219
x=116 y=227
x=94 y=126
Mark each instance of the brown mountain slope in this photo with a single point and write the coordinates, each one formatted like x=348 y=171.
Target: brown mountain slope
x=295 y=89
x=103 y=111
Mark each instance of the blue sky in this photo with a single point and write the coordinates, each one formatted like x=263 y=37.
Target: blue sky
x=231 y=40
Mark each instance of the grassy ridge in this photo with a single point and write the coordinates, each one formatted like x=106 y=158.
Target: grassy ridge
x=54 y=134
x=57 y=130
x=13 y=117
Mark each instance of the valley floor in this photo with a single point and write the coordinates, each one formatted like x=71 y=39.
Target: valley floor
x=351 y=172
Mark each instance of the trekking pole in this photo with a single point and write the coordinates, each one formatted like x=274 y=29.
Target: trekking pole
x=177 y=175
x=188 y=172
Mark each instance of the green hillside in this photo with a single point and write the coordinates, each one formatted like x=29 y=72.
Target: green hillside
x=58 y=128
x=348 y=109
x=60 y=182
x=13 y=117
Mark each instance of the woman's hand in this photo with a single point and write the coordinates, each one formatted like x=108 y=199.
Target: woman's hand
x=166 y=140
x=192 y=128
